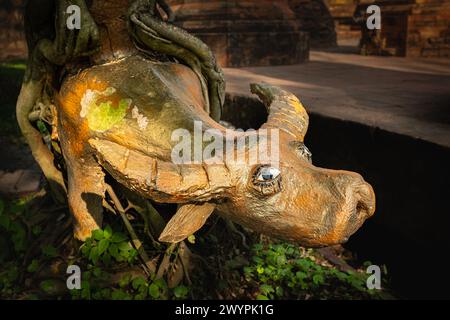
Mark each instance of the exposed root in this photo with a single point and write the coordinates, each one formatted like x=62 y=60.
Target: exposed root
x=166 y=38
x=30 y=93
x=149 y=265
x=230 y=225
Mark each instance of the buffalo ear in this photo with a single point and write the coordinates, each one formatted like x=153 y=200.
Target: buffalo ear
x=186 y=221
x=301 y=150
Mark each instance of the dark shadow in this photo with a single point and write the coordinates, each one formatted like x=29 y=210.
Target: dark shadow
x=11 y=75
x=409 y=232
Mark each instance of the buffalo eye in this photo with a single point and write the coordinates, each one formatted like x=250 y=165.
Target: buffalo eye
x=267 y=174
x=266 y=180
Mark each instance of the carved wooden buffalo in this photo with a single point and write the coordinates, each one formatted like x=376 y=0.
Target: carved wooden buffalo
x=118 y=113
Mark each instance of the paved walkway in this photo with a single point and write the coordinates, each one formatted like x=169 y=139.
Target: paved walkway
x=19 y=173
x=402 y=95
x=19 y=182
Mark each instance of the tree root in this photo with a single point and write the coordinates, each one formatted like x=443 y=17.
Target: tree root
x=175 y=264
x=44 y=54
x=171 y=40
x=230 y=225
x=149 y=265
x=154 y=223
x=30 y=93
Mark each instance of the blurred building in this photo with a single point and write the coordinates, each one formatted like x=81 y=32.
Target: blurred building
x=418 y=28
x=413 y=28
x=273 y=32
x=12 y=38
x=315 y=18
x=245 y=32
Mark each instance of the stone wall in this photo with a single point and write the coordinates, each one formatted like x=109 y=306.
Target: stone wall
x=429 y=29
x=245 y=32
x=315 y=18
x=348 y=31
x=413 y=28
x=12 y=37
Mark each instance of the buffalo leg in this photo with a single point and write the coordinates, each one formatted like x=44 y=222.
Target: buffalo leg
x=86 y=190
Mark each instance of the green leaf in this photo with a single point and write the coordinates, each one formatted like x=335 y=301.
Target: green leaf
x=49 y=251
x=2 y=207
x=318 y=279
x=85 y=284
x=47 y=286
x=161 y=283
x=248 y=270
x=42 y=128
x=97 y=272
x=5 y=222
x=97 y=234
x=125 y=280
x=281 y=260
x=102 y=246
x=107 y=233
x=124 y=246
x=132 y=255
x=279 y=291
x=191 y=239
x=140 y=296
x=266 y=289
x=86 y=292
x=85 y=250
x=163 y=289
x=106 y=293
x=153 y=291
x=113 y=250
x=120 y=295
x=258 y=247
x=262 y=297
x=181 y=292
x=106 y=258
x=93 y=255
x=138 y=282
x=19 y=236
x=12 y=274
x=36 y=230
x=33 y=266
x=290 y=250
x=257 y=260
x=118 y=237
x=300 y=275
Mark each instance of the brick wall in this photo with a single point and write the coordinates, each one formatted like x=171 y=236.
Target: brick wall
x=347 y=31
x=429 y=29
x=12 y=38
x=315 y=18
x=245 y=32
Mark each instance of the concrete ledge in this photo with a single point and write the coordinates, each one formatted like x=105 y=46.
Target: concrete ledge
x=405 y=96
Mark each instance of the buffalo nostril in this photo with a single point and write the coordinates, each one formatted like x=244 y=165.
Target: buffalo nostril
x=360 y=197
x=365 y=199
